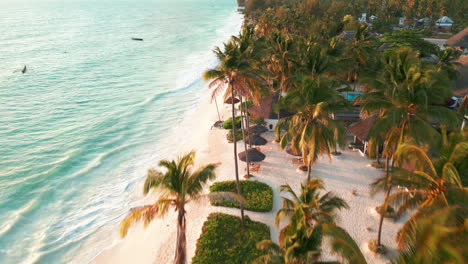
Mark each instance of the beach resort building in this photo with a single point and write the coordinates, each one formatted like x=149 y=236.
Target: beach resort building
x=444 y=24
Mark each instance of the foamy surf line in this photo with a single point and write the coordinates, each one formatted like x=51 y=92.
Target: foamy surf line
x=189 y=125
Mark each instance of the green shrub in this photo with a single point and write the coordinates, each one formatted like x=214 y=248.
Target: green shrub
x=238 y=135
x=245 y=105
x=225 y=241
x=259 y=121
x=258 y=195
x=228 y=123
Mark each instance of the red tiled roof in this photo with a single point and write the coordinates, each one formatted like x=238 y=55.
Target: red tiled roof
x=361 y=128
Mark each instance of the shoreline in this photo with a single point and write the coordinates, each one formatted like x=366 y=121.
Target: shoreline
x=153 y=243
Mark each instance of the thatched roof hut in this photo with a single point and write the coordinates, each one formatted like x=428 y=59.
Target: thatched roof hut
x=254 y=155
x=230 y=101
x=257 y=129
x=256 y=140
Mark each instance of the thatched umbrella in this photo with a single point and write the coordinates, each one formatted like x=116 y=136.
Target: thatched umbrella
x=290 y=151
x=230 y=101
x=255 y=140
x=254 y=155
x=257 y=129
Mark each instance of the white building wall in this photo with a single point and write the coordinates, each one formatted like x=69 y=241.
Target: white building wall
x=271 y=124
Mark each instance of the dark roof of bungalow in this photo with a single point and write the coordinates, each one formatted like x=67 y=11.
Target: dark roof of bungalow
x=347 y=35
x=461 y=85
x=385 y=46
x=459 y=40
x=361 y=128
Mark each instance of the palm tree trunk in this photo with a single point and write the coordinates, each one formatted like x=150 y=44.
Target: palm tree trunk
x=309 y=168
x=181 y=247
x=378 y=153
x=236 y=165
x=247 y=119
x=382 y=213
x=243 y=138
x=217 y=110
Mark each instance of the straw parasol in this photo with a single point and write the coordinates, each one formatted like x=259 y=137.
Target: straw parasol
x=254 y=155
x=255 y=140
x=290 y=151
x=230 y=101
x=257 y=129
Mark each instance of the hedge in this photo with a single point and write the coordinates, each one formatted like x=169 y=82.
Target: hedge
x=228 y=123
x=238 y=135
x=258 y=195
x=225 y=241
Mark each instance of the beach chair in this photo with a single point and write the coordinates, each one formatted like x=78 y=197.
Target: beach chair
x=255 y=167
x=297 y=161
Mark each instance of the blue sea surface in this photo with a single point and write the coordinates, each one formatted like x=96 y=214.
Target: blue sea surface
x=93 y=111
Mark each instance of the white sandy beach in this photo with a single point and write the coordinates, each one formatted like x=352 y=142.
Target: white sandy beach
x=345 y=173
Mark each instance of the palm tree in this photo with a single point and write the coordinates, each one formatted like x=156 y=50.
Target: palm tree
x=426 y=187
x=390 y=142
x=312 y=130
x=448 y=62
x=440 y=237
x=407 y=94
x=234 y=75
x=312 y=218
x=309 y=206
x=357 y=53
x=179 y=186
x=404 y=96
x=252 y=49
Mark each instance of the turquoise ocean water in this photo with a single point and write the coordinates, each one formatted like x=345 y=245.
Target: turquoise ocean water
x=93 y=111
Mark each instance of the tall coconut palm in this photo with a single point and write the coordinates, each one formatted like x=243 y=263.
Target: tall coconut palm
x=405 y=96
x=179 y=186
x=311 y=219
x=252 y=49
x=426 y=187
x=234 y=75
x=408 y=94
x=312 y=130
x=390 y=142
x=357 y=53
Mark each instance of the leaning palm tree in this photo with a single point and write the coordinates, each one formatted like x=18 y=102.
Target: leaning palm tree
x=179 y=186
x=311 y=219
x=311 y=130
x=426 y=187
x=233 y=74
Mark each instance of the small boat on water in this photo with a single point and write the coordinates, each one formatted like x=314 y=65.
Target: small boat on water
x=137 y=39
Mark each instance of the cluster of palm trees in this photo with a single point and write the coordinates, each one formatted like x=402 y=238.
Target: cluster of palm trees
x=305 y=68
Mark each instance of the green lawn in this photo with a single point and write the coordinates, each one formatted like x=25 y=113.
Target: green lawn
x=258 y=195
x=224 y=241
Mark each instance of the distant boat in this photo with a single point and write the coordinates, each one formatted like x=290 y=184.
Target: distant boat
x=137 y=39
x=24 y=69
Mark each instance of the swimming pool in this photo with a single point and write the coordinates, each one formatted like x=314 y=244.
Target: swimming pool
x=350 y=95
